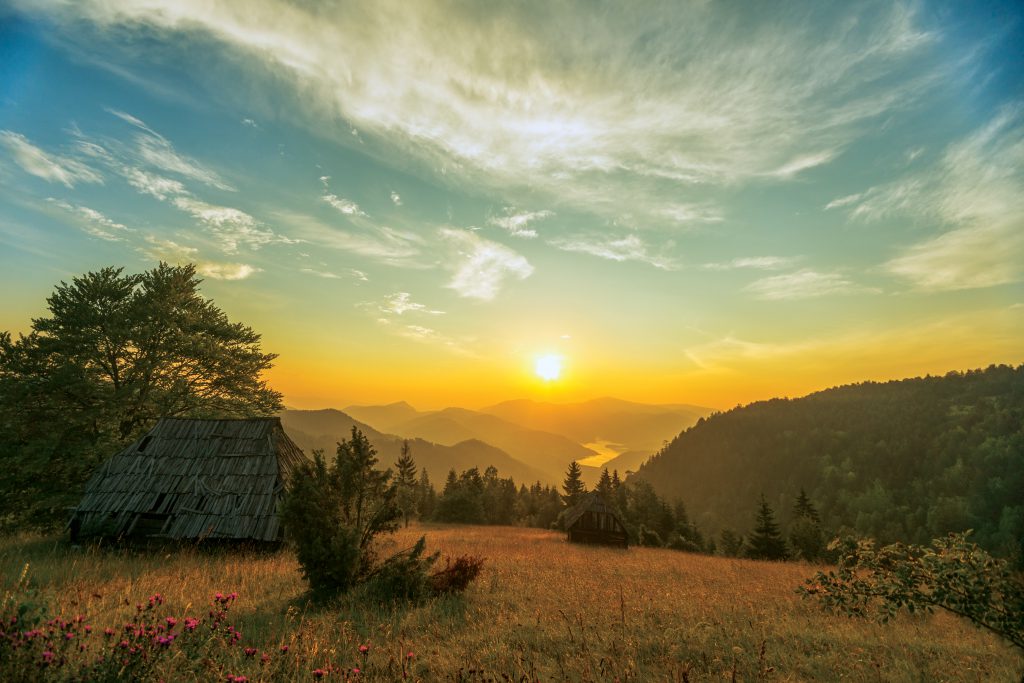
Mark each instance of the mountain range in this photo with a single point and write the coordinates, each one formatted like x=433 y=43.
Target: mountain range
x=527 y=440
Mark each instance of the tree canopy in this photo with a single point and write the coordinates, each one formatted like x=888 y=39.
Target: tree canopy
x=115 y=352
x=906 y=460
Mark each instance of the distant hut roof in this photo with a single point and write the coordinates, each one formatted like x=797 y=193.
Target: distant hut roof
x=192 y=478
x=593 y=520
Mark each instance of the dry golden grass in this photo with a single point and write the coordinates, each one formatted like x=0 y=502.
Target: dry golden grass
x=542 y=609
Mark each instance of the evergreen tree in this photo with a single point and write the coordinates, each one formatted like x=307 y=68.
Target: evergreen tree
x=805 y=534
x=619 y=495
x=804 y=508
x=573 y=485
x=766 y=542
x=426 y=499
x=405 y=481
x=604 y=485
x=731 y=542
x=334 y=512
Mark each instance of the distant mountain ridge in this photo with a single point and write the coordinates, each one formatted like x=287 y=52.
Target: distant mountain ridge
x=902 y=460
x=323 y=429
x=546 y=436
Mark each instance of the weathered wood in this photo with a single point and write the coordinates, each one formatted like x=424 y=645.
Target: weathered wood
x=195 y=479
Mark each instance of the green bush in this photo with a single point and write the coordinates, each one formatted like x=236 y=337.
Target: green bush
x=953 y=574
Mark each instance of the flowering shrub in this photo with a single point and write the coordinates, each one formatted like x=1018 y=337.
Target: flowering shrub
x=34 y=647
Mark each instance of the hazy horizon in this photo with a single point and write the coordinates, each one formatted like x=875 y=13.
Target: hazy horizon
x=456 y=205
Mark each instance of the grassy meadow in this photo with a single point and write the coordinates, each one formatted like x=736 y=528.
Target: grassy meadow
x=541 y=610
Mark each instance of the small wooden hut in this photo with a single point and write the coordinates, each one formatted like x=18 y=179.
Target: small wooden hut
x=593 y=520
x=193 y=479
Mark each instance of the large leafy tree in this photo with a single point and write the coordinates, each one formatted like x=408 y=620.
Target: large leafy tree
x=115 y=352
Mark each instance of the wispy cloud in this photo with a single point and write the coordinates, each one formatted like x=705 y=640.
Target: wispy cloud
x=517 y=222
x=754 y=262
x=972 y=196
x=152 y=184
x=401 y=303
x=93 y=222
x=480 y=267
x=628 y=248
x=50 y=167
x=345 y=206
x=160 y=249
x=942 y=341
x=396 y=198
x=379 y=243
x=154 y=149
x=232 y=228
x=805 y=284
x=604 y=109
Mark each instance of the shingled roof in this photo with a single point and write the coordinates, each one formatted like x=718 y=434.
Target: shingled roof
x=592 y=502
x=593 y=520
x=191 y=478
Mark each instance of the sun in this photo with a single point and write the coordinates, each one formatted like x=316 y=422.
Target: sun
x=548 y=367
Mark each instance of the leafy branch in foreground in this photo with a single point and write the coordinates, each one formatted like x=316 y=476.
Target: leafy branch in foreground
x=953 y=574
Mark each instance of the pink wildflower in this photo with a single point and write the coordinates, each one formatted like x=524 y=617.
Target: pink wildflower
x=171 y=622
x=250 y=652
x=318 y=673
x=363 y=649
x=108 y=631
x=47 y=656
x=284 y=648
x=264 y=658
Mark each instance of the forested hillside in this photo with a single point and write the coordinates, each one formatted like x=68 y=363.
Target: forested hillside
x=903 y=460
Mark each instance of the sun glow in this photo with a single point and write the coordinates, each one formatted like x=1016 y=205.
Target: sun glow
x=548 y=367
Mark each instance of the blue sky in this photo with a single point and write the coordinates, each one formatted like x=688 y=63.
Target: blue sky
x=686 y=201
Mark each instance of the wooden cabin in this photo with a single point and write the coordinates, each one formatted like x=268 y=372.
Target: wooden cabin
x=593 y=520
x=193 y=479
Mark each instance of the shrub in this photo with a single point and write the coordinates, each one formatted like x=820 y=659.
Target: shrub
x=456 y=576
x=953 y=574
x=404 y=576
x=649 y=537
x=332 y=515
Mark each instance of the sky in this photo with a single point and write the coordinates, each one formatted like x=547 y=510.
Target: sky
x=684 y=202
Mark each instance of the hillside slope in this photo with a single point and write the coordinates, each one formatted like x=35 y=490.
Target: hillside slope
x=904 y=460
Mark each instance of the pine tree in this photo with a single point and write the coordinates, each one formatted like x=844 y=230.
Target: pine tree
x=619 y=497
x=804 y=508
x=406 y=482
x=426 y=496
x=766 y=543
x=731 y=543
x=604 y=485
x=573 y=485
x=805 y=534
